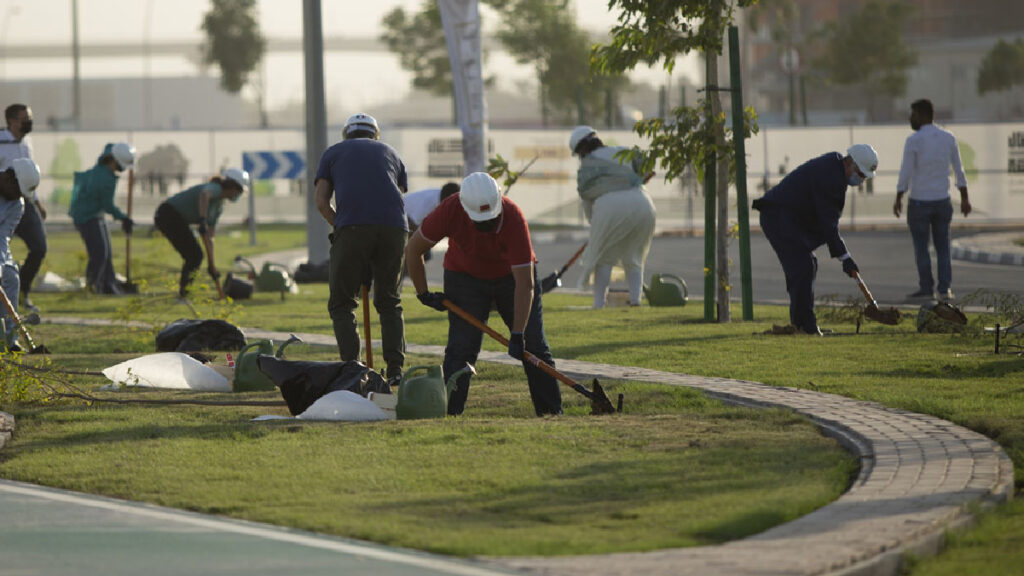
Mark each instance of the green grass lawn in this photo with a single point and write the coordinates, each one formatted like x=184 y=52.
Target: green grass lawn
x=955 y=377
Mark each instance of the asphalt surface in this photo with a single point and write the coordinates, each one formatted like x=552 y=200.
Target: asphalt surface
x=885 y=259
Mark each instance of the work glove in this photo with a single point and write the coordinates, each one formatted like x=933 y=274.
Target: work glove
x=516 y=345
x=433 y=299
x=214 y=273
x=202 y=228
x=127 y=225
x=849 y=267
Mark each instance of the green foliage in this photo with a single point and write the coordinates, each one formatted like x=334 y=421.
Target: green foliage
x=867 y=48
x=1002 y=68
x=656 y=32
x=419 y=41
x=543 y=33
x=233 y=41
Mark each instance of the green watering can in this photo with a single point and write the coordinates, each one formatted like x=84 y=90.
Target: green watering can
x=248 y=377
x=662 y=293
x=272 y=277
x=426 y=396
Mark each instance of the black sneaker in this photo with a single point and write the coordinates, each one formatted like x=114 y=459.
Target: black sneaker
x=921 y=294
x=32 y=318
x=946 y=296
x=12 y=347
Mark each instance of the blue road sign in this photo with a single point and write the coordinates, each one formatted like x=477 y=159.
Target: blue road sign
x=265 y=165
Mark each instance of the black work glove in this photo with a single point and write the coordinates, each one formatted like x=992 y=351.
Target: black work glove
x=202 y=227
x=516 y=345
x=214 y=273
x=433 y=299
x=127 y=225
x=849 y=267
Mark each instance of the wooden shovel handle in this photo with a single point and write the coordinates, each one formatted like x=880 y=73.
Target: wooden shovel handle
x=572 y=260
x=366 y=326
x=544 y=366
x=864 y=288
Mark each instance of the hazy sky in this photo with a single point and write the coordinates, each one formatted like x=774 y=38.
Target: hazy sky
x=133 y=21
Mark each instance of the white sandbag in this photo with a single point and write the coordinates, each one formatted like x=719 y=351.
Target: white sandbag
x=170 y=370
x=343 y=405
x=51 y=282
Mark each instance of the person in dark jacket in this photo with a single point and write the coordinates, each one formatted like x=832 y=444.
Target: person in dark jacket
x=802 y=212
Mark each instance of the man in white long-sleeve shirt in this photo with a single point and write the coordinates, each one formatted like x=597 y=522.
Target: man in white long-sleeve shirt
x=927 y=156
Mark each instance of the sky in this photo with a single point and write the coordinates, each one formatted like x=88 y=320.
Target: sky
x=26 y=22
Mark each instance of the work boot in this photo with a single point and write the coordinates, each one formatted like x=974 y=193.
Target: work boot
x=12 y=347
x=32 y=318
x=921 y=294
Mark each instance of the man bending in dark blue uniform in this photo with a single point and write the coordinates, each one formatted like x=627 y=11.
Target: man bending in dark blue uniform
x=802 y=212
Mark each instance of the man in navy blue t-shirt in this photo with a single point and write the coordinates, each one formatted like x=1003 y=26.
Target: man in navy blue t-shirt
x=366 y=178
x=802 y=212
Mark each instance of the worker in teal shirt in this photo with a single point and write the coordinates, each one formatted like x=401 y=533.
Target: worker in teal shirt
x=92 y=198
x=202 y=205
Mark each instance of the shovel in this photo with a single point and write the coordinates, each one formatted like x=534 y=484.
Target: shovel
x=554 y=280
x=129 y=286
x=599 y=401
x=890 y=315
x=32 y=348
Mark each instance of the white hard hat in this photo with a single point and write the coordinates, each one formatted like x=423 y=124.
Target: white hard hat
x=361 y=122
x=480 y=197
x=238 y=176
x=865 y=158
x=124 y=154
x=579 y=133
x=27 y=173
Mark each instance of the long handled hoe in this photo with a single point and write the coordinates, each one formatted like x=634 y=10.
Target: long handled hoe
x=599 y=402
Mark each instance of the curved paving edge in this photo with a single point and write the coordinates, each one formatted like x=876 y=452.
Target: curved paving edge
x=920 y=476
x=991 y=248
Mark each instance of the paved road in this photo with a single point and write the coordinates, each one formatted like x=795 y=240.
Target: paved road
x=886 y=260
x=46 y=532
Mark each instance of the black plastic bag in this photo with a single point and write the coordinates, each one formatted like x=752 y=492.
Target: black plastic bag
x=193 y=335
x=308 y=273
x=304 y=382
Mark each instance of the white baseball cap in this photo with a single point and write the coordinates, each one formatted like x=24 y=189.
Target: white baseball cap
x=480 y=197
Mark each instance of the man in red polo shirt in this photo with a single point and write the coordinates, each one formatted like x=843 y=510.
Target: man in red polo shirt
x=490 y=262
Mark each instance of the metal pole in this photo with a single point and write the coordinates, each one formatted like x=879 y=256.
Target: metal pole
x=316 y=126
x=710 y=187
x=742 y=211
x=76 y=83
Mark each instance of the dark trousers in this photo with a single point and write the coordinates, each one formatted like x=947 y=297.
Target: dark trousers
x=33 y=232
x=368 y=255
x=931 y=219
x=477 y=297
x=99 y=271
x=799 y=264
x=173 y=225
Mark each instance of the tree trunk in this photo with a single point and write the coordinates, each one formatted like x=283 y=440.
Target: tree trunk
x=722 y=284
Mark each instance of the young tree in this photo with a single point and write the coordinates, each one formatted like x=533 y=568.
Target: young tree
x=867 y=49
x=656 y=33
x=1002 y=67
x=233 y=41
x=418 y=39
x=538 y=32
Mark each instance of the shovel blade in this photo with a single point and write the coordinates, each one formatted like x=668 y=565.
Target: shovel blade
x=890 y=316
x=599 y=401
x=550 y=282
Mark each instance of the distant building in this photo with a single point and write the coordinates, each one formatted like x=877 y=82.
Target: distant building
x=118 y=104
x=951 y=38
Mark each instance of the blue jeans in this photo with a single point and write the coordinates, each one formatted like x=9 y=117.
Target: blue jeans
x=477 y=297
x=10 y=215
x=931 y=218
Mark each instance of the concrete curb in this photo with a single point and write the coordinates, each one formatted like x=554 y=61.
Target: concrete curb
x=920 y=477
x=992 y=248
